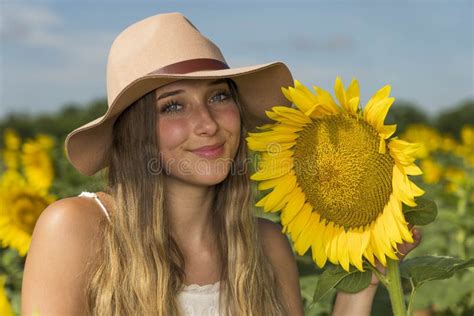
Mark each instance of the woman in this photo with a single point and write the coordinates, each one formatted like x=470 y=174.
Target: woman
x=173 y=233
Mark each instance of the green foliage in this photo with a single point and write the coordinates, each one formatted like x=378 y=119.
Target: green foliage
x=405 y=113
x=450 y=296
x=12 y=265
x=423 y=213
x=420 y=270
x=450 y=121
x=428 y=268
x=309 y=276
x=335 y=277
x=57 y=124
x=355 y=281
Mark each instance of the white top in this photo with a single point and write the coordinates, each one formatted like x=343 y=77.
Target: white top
x=195 y=300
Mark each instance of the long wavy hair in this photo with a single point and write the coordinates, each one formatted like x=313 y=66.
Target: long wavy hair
x=139 y=269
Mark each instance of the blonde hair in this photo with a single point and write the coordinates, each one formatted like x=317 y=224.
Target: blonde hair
x=140 y=268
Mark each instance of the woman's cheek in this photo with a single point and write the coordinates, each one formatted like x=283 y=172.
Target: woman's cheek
x=171 y=133
x=232 y=119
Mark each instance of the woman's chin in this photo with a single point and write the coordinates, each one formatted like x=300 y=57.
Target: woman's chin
x=209 y=180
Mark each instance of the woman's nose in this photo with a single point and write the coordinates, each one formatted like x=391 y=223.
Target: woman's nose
x=205 y=122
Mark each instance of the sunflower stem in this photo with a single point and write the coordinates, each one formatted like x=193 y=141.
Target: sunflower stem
x=379 y=275
x=395 y=288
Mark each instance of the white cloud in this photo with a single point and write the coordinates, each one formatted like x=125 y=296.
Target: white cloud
x=29 y=24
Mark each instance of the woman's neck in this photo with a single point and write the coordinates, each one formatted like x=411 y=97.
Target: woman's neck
x=189 y=210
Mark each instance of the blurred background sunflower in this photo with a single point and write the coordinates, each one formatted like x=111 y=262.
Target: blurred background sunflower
x=24 y=188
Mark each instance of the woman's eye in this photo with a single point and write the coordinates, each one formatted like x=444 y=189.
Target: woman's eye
x=174 y=106
x=224 y=96
x=171 y=106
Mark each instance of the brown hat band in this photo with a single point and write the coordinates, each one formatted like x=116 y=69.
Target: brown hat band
x=191 y=65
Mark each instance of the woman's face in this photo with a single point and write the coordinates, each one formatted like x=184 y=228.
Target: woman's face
x=193 y=113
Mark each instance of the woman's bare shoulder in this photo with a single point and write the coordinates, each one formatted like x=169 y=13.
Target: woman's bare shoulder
x=269 y=231
x=78 y=209
x=63 y=243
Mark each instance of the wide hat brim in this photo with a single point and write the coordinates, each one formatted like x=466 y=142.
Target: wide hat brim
x=259 y=87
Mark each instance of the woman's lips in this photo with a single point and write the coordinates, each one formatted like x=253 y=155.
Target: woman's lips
x=210 y=152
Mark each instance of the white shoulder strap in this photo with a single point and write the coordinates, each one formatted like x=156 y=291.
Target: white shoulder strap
x=94 y=195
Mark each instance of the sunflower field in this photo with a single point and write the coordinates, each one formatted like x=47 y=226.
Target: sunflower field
x=34 y=172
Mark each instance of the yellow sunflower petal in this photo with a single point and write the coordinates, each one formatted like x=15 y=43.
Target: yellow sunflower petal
x=402 y=145
x=415 y=190
x=390 y=225
x=341 y=93
x=369 y=253
x=287 y=128
x=280 y=205
x=353 y=105
x=301 y=100
x=297 y=224
x=293 y=114
x=383 y=241
x=387 y=130
x=262 y=201
x=355 y=248
x=286 y=93
x=268 y=184
x=279 y=193
x=306 y=237
x=377 y=250
x=412 y=169
x=406 y=235
x=330 y=242
x=318 y=254
x=333 y=255
x=272 y=171
x=376 y=114
x=378 y=96
x=293 y=207
x=274 y=136
x=397 y=209
x=283 y=119
x=343 y=250
x=401 y=187
x=353 y=96
x=402 y=158
x=326 y=100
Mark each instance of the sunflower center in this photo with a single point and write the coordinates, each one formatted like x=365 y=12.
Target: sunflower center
x=339 y=168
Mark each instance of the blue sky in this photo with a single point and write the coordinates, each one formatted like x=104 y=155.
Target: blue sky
x=55 y=52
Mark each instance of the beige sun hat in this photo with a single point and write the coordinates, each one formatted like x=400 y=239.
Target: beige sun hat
x=156 y=51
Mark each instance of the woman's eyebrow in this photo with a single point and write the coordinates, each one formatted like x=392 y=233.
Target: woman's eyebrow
x=168 y=94
x=174 y=92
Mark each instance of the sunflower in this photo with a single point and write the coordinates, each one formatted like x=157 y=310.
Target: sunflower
x=37 y=162
x=20 y=207
x=11 y=151
x=335 y=174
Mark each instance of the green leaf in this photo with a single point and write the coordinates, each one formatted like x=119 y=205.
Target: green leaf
x=355 y=282
x=428 y=268
x=424 y=213
x=332 y=277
